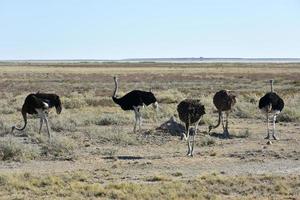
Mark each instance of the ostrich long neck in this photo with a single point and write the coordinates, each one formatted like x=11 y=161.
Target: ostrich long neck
x=219 y=121
x=25 y=121
x=116 y=88
x=271 y=82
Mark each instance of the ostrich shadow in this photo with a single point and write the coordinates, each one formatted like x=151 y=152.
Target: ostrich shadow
x=221 y=135
x=128 y=157
x=228 y=136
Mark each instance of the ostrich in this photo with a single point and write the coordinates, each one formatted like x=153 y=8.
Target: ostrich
x=39 y=103
x=190 y=112
x=134 y=100
x=271 y=104
x=224 y=100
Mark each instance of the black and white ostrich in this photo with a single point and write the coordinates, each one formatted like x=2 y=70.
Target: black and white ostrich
x=134 y=100
x=271 y=104
x=224 y=100
x=39 y=103
x=190 y=112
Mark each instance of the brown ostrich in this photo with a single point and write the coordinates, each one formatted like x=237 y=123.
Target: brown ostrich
x=224 y=101
x=190 y=112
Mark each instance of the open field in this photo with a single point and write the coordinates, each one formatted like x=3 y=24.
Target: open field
x=94 y=153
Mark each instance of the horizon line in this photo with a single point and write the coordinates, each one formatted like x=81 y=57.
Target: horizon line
x=154 y=58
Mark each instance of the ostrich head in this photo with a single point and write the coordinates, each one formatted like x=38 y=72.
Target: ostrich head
x=152 y=100
x=116 y=78
x=57 y=104
x=116 y=87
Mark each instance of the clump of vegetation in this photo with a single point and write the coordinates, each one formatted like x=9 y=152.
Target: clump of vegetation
x=110 y=152
x=11 y=149
x=111 y=119
x=245 y=110
x=5 y=110
x=207 y=119
x=63 y=123
x=158 y=178
x=92 y=100
x=75 y=100
x=59 y=147
x=207 y=141
x=170 y=96
x=241 y=134
x=4 y=129
x=176 y=174
x=289 y=115
x=122 y=138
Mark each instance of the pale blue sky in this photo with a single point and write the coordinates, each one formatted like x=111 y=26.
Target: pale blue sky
x=116 y=29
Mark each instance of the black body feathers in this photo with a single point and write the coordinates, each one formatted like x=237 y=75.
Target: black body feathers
x=39 y=101
x=190 y=110
x=271 y=101
x=135 y=98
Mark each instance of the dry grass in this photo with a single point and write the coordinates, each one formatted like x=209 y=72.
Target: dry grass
x=13 y=150
x=212 y=186
x=108 y=161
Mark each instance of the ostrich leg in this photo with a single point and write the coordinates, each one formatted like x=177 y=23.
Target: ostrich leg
x=274 y=120
x=188 y=139
x=43 y=117
x=136 y=113
x=41 y=124
x=140 y=119
x=184 y=135
x=193 y=137
x=268 y=131
x=226 y=133
x=222 y=120
x=47 y=125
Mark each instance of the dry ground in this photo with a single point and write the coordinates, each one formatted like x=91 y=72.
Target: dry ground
x=94 y=153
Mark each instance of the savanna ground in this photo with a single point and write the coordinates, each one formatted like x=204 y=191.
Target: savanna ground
x=94 y=154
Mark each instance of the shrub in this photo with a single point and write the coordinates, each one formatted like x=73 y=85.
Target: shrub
x=170 y=96
x=111 y=119
x=62 y=147
x=13 y=150
x=60 y=124
x=74 y=101
x=240 y=134
x=207 y=141
x=289 y=115
x=157 y=178
x=4 y=129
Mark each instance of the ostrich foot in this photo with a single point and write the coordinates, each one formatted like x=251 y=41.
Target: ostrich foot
x=268 y=137
x=226 y=134
x=190 y=154
x=275 y=138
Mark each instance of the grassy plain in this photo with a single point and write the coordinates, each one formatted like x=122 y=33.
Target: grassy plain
x=94 y=153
